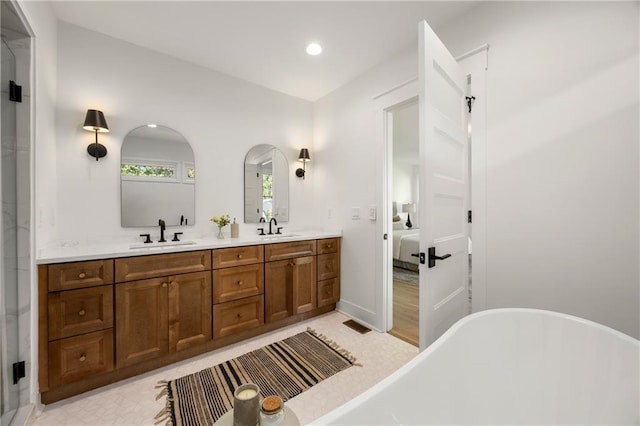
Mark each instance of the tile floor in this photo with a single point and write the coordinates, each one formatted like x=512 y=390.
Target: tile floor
x=132 y=401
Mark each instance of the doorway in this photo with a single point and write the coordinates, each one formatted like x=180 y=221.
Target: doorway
x=475 y=66
x=405 y=228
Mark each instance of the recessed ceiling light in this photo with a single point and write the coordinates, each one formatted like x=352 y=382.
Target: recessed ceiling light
x=314 y=49
x=152 y=125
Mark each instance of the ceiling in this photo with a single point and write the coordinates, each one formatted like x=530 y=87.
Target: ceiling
x=264 y=42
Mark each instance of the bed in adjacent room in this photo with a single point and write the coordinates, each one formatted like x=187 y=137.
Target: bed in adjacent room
x=405 y=242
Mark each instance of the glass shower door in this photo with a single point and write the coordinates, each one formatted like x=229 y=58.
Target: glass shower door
x=9 y=392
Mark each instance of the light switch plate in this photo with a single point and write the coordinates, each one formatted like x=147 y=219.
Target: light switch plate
x=355 y=213
x=372 y=212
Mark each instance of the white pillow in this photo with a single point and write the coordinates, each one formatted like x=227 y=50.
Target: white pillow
x=398 y=225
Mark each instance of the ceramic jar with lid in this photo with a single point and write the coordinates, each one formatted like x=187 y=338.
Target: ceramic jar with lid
x=272 y=411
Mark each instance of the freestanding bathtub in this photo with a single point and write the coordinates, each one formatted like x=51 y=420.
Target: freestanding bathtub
x=509 y=366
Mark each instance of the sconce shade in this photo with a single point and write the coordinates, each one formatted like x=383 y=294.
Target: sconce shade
x=95 y=121
x=304 y=155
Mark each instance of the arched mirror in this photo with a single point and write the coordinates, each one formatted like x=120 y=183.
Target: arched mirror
x=266 y=184
x=157 y=178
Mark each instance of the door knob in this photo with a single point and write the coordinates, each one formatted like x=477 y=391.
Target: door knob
x=433 y=257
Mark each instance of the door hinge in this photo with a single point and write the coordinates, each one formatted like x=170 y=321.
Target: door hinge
x=15 y=92
x=18 y=371
x=470 y=100
x=469 y=216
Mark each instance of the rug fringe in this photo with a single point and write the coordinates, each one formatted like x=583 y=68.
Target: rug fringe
x=335 y=346
x=164 y=415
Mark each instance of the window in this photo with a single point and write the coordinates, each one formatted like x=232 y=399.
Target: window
x=148 y=170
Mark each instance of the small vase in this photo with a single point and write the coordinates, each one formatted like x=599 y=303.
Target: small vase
x=220 y=234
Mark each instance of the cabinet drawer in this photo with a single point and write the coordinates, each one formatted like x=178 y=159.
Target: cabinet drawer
x=159 y=265
x=237 y=283
x=328 y=266
x=236 y=316
x=328 y=245
x=81 y=311
x=68 y=276
x=76 y=358
x=328 y=292
x=237 y=256
x=281 y=251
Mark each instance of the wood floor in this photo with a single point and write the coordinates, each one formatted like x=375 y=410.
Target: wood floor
x=405 y=312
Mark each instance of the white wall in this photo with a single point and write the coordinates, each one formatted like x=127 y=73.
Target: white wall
x=221 y=117
x=562 y=159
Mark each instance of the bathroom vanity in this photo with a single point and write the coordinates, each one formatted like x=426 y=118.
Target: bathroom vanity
x=108 y=315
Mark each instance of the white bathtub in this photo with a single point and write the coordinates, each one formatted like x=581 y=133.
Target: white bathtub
x=509 y=366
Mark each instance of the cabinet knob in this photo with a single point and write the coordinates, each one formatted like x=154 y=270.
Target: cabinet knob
x=82 y=312
x=240 y=256
x=239 y=282
x=239 y=316
x=83 y=358
x=82 y=275
x=164 y=285
x=329 y=246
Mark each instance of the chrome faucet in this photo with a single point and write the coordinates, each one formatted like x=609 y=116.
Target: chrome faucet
x=162 y=228
x=274 y=221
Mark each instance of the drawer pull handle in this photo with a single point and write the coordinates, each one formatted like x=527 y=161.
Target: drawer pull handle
x=240 y=256
x=82 y=312
x=164 y=285
x=83 y=358
x=239 y=282
x=239 y=316
x=82 y=275
x=329 y=246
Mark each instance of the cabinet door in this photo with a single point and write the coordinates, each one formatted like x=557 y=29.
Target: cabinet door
x=278 y=291
x=142 y=326
x=304 y=284
x=290 y=287
x=189 y=310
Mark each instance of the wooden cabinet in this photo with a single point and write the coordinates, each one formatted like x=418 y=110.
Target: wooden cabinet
x=77 y=335
x=161 y=315
x=238 y=315
x=79 y=357
x=159 y=265
x=80 y=311
x=290 y=284
x=67 y=276
x=104 y=320
x=189 y=310
x=238 y=288
x=142 y=325
x=328 y=271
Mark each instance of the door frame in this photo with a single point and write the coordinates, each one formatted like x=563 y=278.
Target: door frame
x=475 y=63
x=386 y=102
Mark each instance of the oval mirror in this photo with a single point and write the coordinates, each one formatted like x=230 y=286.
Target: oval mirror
x=266 y=184
x=157 y=178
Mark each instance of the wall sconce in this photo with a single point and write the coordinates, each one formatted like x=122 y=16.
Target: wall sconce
x=95 y=122
x=304 y=157
x=408 y=209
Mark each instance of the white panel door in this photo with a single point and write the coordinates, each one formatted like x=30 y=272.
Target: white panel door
x=443 y=188
x=252 y=193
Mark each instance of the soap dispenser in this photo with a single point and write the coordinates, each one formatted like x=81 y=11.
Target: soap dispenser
x=235 y=229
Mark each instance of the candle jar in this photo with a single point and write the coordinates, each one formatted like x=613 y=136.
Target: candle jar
x=272 y=411
x=246 y=405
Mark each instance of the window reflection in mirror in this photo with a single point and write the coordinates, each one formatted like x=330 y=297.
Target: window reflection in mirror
x=157 y=178
x=266 y=185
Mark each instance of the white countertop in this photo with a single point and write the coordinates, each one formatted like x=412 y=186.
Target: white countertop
x=71 y=252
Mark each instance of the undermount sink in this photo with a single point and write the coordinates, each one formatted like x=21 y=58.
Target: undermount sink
x=160 y=246
x=277 y=236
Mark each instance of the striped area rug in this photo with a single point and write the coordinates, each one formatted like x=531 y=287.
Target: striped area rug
x=285 y=368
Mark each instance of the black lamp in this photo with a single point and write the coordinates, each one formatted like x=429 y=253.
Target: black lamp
x=304 y=157
x=408 y=209
x=95 y=122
